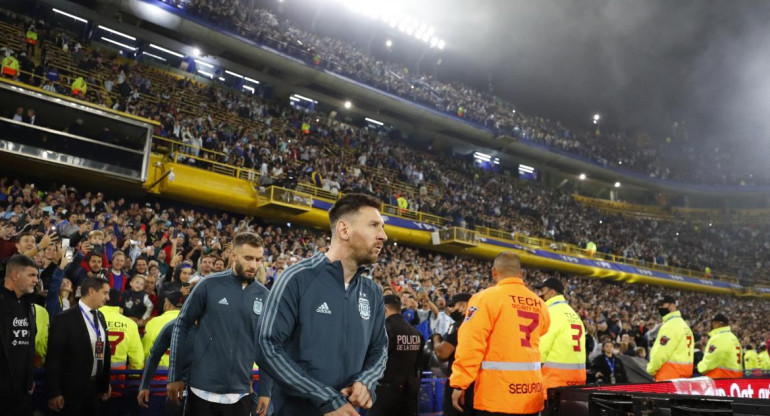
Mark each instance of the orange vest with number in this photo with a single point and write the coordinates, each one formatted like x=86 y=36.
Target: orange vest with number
x=498 y=347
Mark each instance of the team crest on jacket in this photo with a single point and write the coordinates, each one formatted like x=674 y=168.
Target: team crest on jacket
x=258 y=306
x=664 y=340
x=363 y=308
x=712 y=349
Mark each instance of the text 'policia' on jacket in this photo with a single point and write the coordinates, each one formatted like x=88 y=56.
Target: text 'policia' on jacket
x=672 y=355
x=225 y=343
x=317 y=337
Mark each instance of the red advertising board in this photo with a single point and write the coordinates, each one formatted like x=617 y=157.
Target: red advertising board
x=755 y=388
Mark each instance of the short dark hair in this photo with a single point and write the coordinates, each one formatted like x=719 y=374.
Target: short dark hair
x=95 y=254
x=392 y=301
x=351 y=203
x=19 y=261
x=94 y=283
x=249 y=239
x=115 y=297
x=24 y=234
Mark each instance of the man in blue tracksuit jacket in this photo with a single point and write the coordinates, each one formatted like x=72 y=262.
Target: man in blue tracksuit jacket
x=322 y=338
x=227 y=307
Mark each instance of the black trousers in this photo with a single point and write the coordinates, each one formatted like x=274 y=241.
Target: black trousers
x=85 y=403
x=20 y=405
x=396 y=400
x=199 y=407
x=450 y=410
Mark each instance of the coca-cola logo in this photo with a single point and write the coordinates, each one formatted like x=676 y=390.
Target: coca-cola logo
x=20 y=322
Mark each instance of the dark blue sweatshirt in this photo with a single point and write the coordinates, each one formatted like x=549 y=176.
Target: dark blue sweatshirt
x=317 y=337
x=225 y=345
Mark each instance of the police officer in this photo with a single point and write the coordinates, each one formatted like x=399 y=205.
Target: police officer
x=722 y=358
x=445 y=351
x=562 y=348
x=397 y=393
x=672 y=354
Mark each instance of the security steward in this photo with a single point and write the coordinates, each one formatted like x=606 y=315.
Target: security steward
x=398 y=391
x=764 y=358
x=562 y=348
x=499 y=345
x=723 y=355
x=672 y=354
x=445 y=351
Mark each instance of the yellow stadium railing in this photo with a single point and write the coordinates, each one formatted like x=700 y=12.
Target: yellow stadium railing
x=315 y=192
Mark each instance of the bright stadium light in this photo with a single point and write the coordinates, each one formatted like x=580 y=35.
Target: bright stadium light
x=617 y=184
x=389 y=43
x=196 y=52
x=154 y=56
x=115 y=32
x=114 y=42
x=71 y=16
x=348 y=104
x=441 y=44
x=582 y=176
x=160 y=48
x=433 y=42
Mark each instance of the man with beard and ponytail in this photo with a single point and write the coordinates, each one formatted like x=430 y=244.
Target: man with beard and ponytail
x=323 y=336
x=672 y=354
x=227 y=307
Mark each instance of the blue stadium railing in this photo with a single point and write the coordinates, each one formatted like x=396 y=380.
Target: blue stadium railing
x=126 y=387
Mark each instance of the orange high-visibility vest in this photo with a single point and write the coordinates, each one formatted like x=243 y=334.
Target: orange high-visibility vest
x=499 y=348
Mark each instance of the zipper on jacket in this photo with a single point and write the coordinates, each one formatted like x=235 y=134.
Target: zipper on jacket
x=344 y=333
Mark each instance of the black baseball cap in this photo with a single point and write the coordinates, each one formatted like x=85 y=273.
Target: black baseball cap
x=114 y=297
x=720 y=317
x=392 y=300
x=667 y=299
x=176 y=298
x=460 y=297
x=552 y=283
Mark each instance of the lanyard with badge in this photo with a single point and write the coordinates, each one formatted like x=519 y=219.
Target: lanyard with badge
x=612 y=368
x=99 y=345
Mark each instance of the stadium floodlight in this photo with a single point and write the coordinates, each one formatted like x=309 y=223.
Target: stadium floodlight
x=250 y=80
x=115 y=32
x=71 y=16
x=206 y=64
x=246 y=87
x=122 y=45
x=433 y=42
x=496 y=161
x=373 y=121
x=196 y=52
x=441 y=44
x=426 y=37
x=233 y=74
x=348 y=104
x=304 y=98
x=221 y=78
x=582 y=176
x=410 y=30
x=208 y=74
x=389 y=43
x=482 y=156
x=178 y=55
x=160 y=58
x=596 y=117
x=617 y=184
x=525 y=168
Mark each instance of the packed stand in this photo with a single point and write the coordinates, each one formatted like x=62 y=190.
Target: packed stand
x=285 y=146
x=661 y=159
x=150 y=252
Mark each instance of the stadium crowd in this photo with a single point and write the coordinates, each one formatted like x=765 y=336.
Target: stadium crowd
x=658 y=158
x=279 y=142
x=150 y=250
